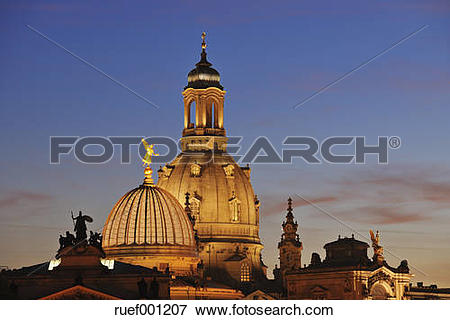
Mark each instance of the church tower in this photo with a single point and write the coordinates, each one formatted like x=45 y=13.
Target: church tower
x=290 y=245
x=203 y=99
x=222 y=201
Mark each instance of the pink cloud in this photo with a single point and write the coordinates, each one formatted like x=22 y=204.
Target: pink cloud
x=381 y=196
x=275 y=204
x=384 y=215
x=15 y=198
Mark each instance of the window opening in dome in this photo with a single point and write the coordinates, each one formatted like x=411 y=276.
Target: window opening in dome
x=245 y=272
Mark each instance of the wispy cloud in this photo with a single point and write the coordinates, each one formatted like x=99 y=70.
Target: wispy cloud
x=376 y=197
x=276 y=204
x=15 y=198
x=385 y=214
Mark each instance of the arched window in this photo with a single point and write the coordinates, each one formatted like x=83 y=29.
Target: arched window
x=245 y=272
x=213 y=115
x=191 y=115
x=379 y=292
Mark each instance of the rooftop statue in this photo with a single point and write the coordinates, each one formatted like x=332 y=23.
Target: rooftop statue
x=377 y=249
x=80 y=226
x=147 y=161
x=68 y=240
x=150 y=152
x=95 y=239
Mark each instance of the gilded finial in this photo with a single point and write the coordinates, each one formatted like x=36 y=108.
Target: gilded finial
x=203 y=40
x=147 y=160
x=148 y=180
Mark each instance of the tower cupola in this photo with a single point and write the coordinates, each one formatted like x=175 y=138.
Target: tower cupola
x=203 y=106
x=203 y=76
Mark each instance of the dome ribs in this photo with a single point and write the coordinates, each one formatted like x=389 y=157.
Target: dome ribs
x=145 y=218
x=118 y=222
x=127 y=225
x=111 y=218
x=163 y=220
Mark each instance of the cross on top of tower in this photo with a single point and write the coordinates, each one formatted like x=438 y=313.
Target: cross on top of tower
x=203 y=40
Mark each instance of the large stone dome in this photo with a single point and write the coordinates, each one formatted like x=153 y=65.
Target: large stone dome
x=226 y=211
x=149 y=227
x=222 y=198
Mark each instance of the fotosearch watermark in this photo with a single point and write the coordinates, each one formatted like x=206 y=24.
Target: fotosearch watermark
x=97 y=149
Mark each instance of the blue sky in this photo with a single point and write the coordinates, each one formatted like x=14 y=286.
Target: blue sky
x=271 y=55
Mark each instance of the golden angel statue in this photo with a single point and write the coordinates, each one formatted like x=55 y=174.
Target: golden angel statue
x=150 y=152
x=377 y=249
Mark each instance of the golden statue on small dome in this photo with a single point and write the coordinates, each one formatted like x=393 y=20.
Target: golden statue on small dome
x=147 y=160
x=150 y=152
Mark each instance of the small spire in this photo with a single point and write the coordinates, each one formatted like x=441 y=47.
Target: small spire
x=203 y=41
x=203 y=61
x=289 y=209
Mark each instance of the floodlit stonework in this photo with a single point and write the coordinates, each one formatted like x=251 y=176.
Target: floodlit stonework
x=346 y=272
x=224 y=204
x=195 y=234
x=149 y=227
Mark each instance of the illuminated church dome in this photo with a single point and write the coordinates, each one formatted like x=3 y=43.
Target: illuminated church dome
x=149 y=227
x=222 y=201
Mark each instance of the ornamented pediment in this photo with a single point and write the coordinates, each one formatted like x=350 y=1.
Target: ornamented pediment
x=79 y=292
x=381 y=276
x=229 y=170
x=319 y=293
x=258 y=295
x=318 y=289
x=196 y=170
x=166 y=171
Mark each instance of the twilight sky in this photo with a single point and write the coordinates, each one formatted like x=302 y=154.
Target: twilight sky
x=271 y=55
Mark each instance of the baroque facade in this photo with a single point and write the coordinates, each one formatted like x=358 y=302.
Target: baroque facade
x=222 y=201
x=346 y=272
x=195 y=234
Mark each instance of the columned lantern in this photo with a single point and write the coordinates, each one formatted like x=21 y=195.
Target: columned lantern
x=203 y=100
